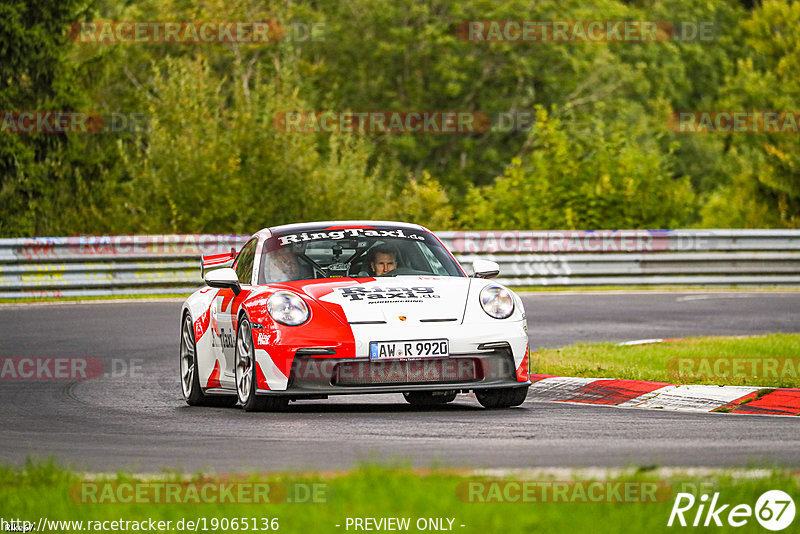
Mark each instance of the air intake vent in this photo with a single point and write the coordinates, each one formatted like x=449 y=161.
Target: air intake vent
x=405 y=372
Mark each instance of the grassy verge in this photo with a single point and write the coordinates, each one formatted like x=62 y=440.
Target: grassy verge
x=47 y=491
x=645 y=287
x=551 y=289
x=89 y=299
x=771 y=361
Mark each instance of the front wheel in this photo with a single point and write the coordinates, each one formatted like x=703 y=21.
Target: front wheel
x=429 y=398
x=502 y=397
x=190 y=383
x=246 y=375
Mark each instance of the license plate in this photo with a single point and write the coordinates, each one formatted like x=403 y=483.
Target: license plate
x=418 y=348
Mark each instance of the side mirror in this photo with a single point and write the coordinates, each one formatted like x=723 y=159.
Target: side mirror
x=223 y=278
x=485 y=269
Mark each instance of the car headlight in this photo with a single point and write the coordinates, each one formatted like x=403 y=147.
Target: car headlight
x=497 y=301
x=287 y=308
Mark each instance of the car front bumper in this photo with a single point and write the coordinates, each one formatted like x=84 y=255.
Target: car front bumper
x=492 y=367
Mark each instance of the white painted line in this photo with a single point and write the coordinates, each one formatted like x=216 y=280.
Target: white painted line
x=641 y=342
x=607 y=473
x=711 y=296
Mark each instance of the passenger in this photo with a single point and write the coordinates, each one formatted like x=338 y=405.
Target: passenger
x=283 y=266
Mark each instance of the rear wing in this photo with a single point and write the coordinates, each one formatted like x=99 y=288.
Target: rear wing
x=216 y=261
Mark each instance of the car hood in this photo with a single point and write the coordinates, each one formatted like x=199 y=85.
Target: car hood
x=401 y=299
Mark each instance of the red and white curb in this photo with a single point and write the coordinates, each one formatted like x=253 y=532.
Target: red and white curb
x=661 y=395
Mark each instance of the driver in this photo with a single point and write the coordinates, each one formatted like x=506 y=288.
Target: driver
x=384 y=260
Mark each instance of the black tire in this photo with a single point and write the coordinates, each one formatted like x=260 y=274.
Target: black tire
x=501 y=397
x=190 y=382
x=429 y=398
x=246 y=375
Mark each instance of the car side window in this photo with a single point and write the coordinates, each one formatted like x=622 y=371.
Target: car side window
x=244 y=262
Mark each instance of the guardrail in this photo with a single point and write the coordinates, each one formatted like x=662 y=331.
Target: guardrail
x=635 y=257
x=89 y=266
x=118 y=265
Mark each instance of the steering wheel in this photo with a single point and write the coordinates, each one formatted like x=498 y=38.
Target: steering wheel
x=402 y=270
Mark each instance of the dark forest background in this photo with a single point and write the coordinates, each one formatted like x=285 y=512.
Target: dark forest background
x=600 y=153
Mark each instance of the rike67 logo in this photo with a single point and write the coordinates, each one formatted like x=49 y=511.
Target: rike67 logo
x=774 y=510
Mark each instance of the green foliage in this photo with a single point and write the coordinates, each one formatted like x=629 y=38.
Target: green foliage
x=211 y=159
x=764 y=187
x=425 y=202
x=42 y=174
x=582 y=175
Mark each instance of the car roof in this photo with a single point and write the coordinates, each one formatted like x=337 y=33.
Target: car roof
x=339 y=225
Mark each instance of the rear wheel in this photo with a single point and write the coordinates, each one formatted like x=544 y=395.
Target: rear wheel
x=246 y=375
x=190 y=383
x=429 y=398
x=501 y=397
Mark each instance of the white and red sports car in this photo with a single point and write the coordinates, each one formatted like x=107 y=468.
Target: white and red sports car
x=304 y=311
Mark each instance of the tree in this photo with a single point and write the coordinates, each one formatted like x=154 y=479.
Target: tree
x=764 y=185
x=40 y=173
x=583 y=175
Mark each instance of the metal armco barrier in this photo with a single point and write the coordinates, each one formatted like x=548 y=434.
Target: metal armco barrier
x=91 y=266
x=635 y=257
x=119 y=265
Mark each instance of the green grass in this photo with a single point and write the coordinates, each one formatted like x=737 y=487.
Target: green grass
x=43 y=490
x=89 y=299
x=520 y=289
x=652 y=287
x=770 y=361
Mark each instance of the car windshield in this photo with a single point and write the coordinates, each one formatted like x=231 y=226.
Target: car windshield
x=354 y=252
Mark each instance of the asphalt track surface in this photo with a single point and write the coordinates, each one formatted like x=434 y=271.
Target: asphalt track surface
x=139 y=421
